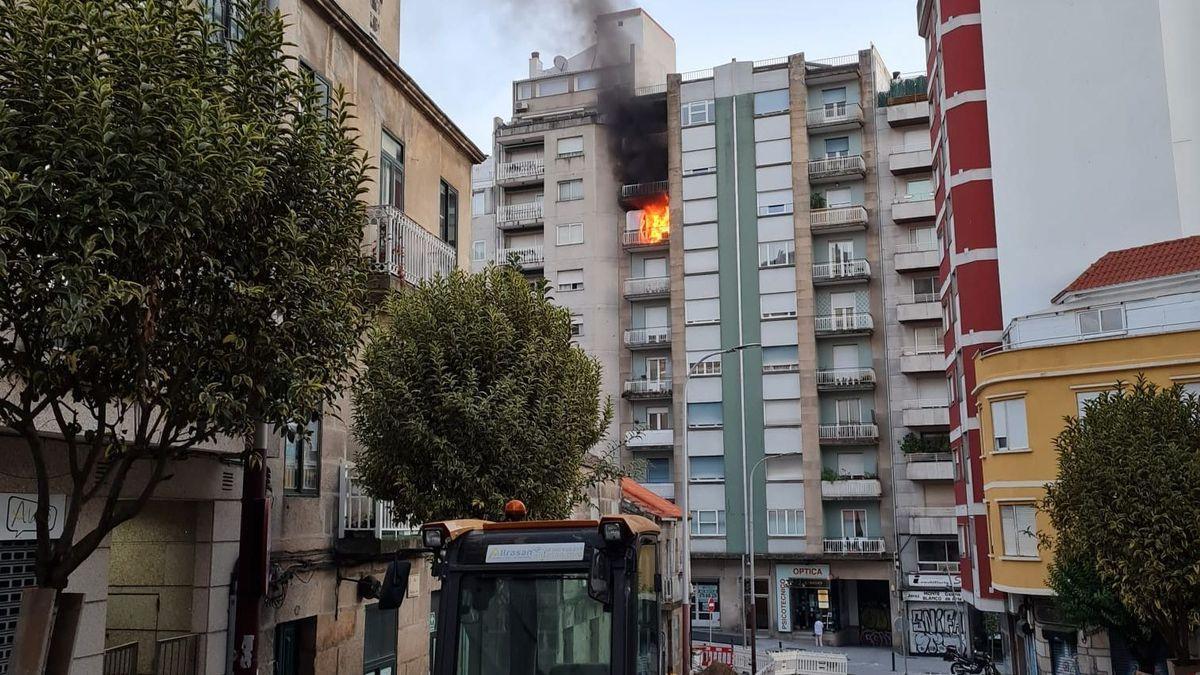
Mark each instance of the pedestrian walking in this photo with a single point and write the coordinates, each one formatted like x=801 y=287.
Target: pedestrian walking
x=819 y=632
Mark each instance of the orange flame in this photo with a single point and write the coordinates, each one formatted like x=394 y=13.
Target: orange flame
x=656 y=221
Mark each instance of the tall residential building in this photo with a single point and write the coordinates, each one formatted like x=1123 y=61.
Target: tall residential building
x=1022 y=201
x=1133 y=312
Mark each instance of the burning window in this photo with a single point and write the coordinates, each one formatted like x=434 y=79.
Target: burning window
x=652 y=222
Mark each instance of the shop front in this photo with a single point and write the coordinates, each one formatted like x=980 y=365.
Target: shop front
x=853 y=611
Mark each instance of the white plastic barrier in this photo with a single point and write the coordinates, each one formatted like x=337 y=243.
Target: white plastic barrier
x=797 y=662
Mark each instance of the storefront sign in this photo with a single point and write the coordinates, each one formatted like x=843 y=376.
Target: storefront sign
x=525 y=553
x=934 y=580
x=19 y=522
x=784 y=574
x=803 y=571
x=932 y=596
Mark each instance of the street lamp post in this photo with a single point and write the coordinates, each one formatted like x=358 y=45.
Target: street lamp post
x=749 y=487
x=685 y=505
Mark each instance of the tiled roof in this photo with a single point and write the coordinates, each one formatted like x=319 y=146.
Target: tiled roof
x=648 y=501
x=1162 y=259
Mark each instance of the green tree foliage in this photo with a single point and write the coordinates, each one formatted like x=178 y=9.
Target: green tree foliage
x=1125 y=510
x=180 y=239
x=472 y=394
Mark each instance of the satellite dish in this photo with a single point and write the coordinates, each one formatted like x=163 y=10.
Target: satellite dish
x=560 y=62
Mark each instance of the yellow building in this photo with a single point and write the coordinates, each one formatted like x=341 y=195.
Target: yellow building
x=1135 y=311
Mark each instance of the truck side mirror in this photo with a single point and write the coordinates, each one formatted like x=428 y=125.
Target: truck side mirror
x=599 y=584
x=395 y=584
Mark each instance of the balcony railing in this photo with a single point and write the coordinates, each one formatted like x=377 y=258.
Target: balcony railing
x=522 y=169
x=637 y=436
x=848 y=432
x=837 y=217
x=845 y=378
x=844 y=323
x=525 y=256
x=122 y=659
x=635 y=190
x=921 y=349
x=636 y=238
x=362 y=514
x=854 y=546
x=835 y=113
x=647 y=286
x=917 y=298
x=916 y=247
x=648 y=337
x=852 y=488
x=405 y=249
x=836 y=166
x=177 y=655
x=845 y=269
x=913 y=197
x=529 y=212
x=647 y=387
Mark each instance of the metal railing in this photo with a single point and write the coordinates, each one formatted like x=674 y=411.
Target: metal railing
x=843 y=60
x=405 y=249
x=848 y=432
x=122 y=659
x=851 y=488
x=853 y=321
x=177 y=655
x=917 y=298
x=907 y=198
x=767 y=63
x=524 y=255
x=656 y=187
x=854 y=546
x=645 y=337
x=836 y=166
x=647 y=286
x=638 y=238
x=920 y=350
x=910 y=147
x=916 y=247
x=835 y=113
x=837 y=216
x=844 y=269
x=925 y=404
x=647 y=387
x=845 y=377
x=361 y=513
x=928 y=457
x=693 y=75
x=649 y=89
x=521 y=168
x=516 y=213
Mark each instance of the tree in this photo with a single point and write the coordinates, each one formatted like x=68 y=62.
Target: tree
x=472 y=394
x=180 y=246
x=1127 y=503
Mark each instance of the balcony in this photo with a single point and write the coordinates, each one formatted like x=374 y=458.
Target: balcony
x=852 y=488
x=931 y=466
x=664 y=490
x=908 y=114
x=835 y=168
x=845 y=379
x=405 y=251
x=654 y=337
x=926 y=412
x=929 y=358
x=637 y=195
x=365 y=523
x=845 y=271
x=861 y=546
x=835 y=117
x=847 y=433
x=922 y=255
x=911 y=208
x=528 y=258
x=638 y=438
x=519 y=216
x=637 y=240
x=849 y=323
x=643 y=288
x=918 y=307
x=837 y=219
x=906 y=159
x=932 y=520
x=643 y=389
x=521 y=172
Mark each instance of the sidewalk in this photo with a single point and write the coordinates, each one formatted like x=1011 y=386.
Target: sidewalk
x=862 y=660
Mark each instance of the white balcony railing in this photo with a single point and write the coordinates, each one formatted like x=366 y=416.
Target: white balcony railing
x=917 y=298
x=836 y=166
x=845 y=269
x=647 y=286
x=639 y=238
x=925 y=403
x=835 y=113
x=648 y=337
x=525 y=256
x=405 y=249
x=634 y=190
x=647 y=387
x=848 y=432
x=838 y=216
x=854 y=546
x=520 y=169
x=360 y=513
x=852 y=488
x=517 y=213
x=845 y=377
x=843 y=323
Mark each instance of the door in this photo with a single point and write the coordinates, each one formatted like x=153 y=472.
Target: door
x=845 y=364
x=658 y=418
x=843 y=305
x=837 y=197
x=854 y=523
x=656 y=369
x=840 y=255
x=656 y=317
x=379 y=640
x=849 y=411
x=851 y=465
x=655 y=268
x=835 y=101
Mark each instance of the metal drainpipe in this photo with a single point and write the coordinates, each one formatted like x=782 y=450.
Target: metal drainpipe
x=252 y=556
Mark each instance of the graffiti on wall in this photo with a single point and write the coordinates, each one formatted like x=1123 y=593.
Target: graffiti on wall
x=932 y=628
x=875 y=626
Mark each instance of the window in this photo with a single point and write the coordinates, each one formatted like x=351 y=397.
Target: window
x=854 y=523
x=785 y=522
x=481 y=201
x=658 y=369
x=937 y=555
x=707 y=468
x=658 y=470
x=917 y=190
x=1019 y=530
x=1192 y=388
x=320 y=86
x=379 y=640
x=706 y=609
x=1103 y=320
x=698 y=112
x=553 y=87
x=837 y=147
x=925 y=288
x=647 y=614
x=834 y=96
x=587 y=81
x=570 y=190
x=777 y=253
x=570 y=147
x=295 y=645
x=576 y=325
x=478 y=250
x=923 y=238
x=658 y=418
x=927 y=340
x=302 y=458
x=448 y=214
x=570 y=233
x=570 y=280
x=767 y=102
x=391 y=172
x=708 y=523
x=1082 y=398
x=223 y=13
x=785 y=358
x=524 y=91
x=1008 y=425
x=851 y=465
x=848 y=411
x=705 y=415
x=838 y=198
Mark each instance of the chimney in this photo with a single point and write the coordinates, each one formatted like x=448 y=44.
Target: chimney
x=535 y=64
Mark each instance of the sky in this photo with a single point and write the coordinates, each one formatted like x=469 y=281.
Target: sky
x=466 y=53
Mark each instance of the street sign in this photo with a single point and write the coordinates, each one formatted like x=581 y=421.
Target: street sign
x=19 y=510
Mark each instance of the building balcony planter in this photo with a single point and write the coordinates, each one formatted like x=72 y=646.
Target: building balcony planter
x=836 y=168
x=918 y=307
x=656 y=337
x=519 y=216
x=647 y=287
x=521 y=172
x=845 y=379
x=837 y=219
x=854 y=546
x=835 y=117
x=404 y=252
x=644 y=389
x=528 y=258
x=848 y=434
x=852 y=488
x=846 y=271
x=911 y=208
x=853 y=323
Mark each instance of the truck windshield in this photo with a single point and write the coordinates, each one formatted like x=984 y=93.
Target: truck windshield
x=526 y=625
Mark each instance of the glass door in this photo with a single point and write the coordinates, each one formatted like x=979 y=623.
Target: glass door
x=854 y=523
x=843 y=310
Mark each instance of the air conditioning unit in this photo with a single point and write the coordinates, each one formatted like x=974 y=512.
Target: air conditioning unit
x=522 y=106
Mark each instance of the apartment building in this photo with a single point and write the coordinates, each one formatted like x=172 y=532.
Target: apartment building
x=158 y=591
x=1133 y=312
x=778 y=319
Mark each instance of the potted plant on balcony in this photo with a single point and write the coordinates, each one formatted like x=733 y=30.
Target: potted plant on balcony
x=816 y=200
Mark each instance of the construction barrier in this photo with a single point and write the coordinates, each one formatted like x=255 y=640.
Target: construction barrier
x=797 y=662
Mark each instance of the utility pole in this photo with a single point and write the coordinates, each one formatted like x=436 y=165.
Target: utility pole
x=252 y=556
